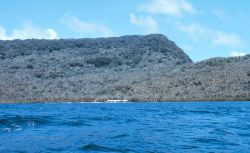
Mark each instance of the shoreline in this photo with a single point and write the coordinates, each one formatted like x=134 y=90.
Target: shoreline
x=113 y=102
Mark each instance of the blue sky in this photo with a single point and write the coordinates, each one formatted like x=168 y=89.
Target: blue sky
x=202 y=28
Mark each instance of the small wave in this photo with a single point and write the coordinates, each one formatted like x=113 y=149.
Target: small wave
x=244 y=134
x=56 y=149
x=17 y=122
x=119 y=136
x=148 y=110
x=106 y=109
x=203 y=112
x=130 y=120
x=221 y=132
x=101 y=118
x=6 y=129
x=98 y=148
x=76 y=123
x=208 y=140
x=15 y=151
x=189 y=147
x=159 y=130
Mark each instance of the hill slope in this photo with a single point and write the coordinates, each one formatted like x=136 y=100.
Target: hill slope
x=83 y=69
x=212 y=79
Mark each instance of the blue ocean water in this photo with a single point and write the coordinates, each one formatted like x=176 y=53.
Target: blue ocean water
x=125 y=127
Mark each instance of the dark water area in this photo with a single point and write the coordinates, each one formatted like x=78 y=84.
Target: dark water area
x=125 y=127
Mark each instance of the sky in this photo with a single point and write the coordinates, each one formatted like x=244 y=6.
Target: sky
x=202 y=28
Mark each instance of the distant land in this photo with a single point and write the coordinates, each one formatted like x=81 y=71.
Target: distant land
x=128 y=68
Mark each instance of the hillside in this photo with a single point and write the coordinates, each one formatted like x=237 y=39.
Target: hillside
x=215 y=79
x=83 y=69
x=137 y=68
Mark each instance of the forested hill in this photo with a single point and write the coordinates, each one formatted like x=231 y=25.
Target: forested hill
x=144 y=68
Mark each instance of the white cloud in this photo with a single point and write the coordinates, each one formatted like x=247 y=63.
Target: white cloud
x=27 y=31
x=52 y=34
x=87 y=28
x=198 y=33
x=2 y=34
x=194 y=30
x=228 y=39
x=168 y=7
x=237 y=53
x=220 y=14
x=147 y=22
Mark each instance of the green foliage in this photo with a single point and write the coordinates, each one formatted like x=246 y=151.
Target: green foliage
x=76 y=64
x=100 y=61
x=104 y=68
x=29 y=66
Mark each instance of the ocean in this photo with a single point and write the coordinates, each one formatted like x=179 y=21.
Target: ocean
x=138 y=127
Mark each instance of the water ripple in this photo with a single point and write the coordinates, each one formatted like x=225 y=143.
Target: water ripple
x=17 y=122
x=99 y=148
x=125 y=127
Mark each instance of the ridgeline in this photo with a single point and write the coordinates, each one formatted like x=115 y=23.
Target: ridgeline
x=134 y=68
